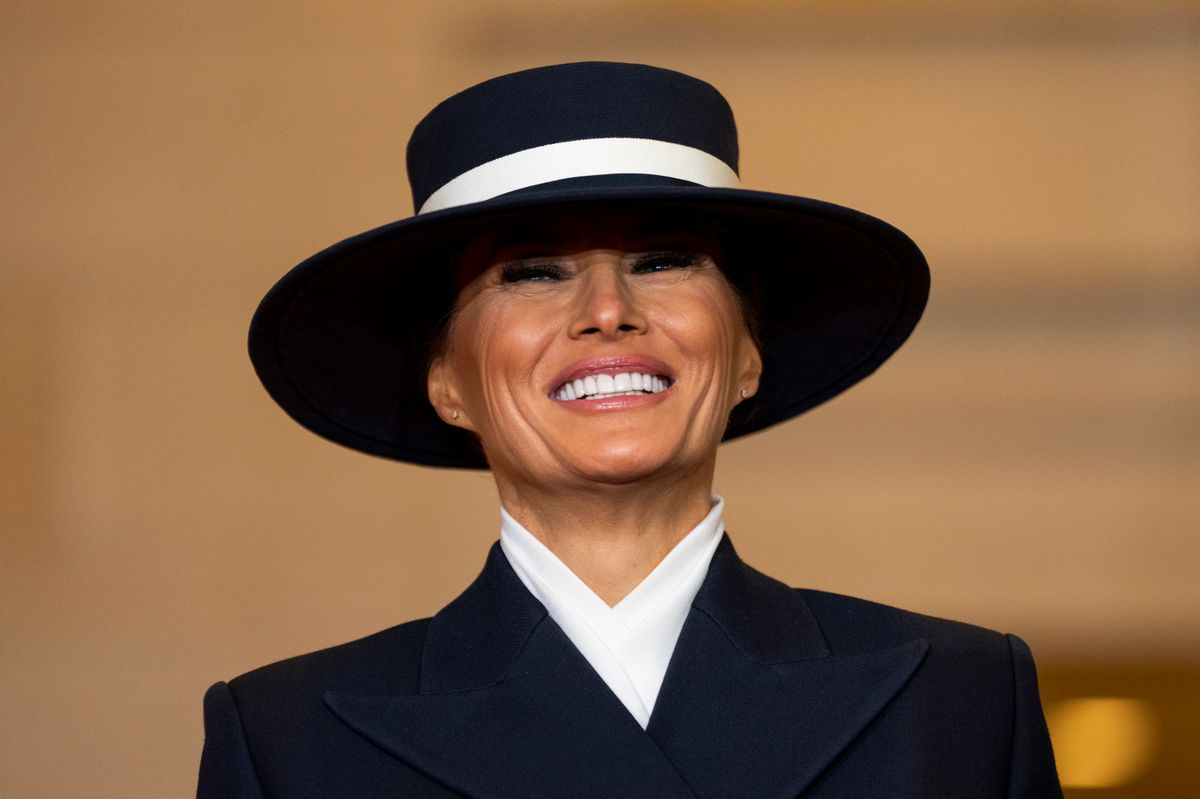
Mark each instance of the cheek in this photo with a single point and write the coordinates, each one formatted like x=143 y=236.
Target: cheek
x=494 y=346
x=716 y=331
x=467 y=354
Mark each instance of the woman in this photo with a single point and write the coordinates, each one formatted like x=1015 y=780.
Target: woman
x=587 y=304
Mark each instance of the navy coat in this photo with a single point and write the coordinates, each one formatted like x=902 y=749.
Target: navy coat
x=772 y=692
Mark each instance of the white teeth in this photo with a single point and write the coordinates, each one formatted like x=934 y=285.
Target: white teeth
x=619 y=394
x=603 y=386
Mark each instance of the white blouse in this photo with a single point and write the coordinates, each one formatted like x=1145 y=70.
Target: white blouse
x=628 y=645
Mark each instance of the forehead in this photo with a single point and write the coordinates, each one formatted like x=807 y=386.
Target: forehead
x=565 y=231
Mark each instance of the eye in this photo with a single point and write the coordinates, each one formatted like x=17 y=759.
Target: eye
x=528 y=270
x=665 y=261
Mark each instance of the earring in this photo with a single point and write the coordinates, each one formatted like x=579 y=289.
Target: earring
x=745 y=393
x=453 y=414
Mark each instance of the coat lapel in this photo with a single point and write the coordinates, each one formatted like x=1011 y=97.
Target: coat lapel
x=507 y=707
x=753 y=703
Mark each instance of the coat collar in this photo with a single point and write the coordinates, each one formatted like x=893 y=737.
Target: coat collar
x=753 y=702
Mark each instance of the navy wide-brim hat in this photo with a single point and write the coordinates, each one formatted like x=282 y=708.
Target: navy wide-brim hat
x=340 y=342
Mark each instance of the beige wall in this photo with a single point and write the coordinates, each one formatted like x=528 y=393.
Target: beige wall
x=1030 y=461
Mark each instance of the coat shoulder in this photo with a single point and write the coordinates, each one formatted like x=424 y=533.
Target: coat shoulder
x=271 y=726
x=975 y=686
x=852 y=625
x=381 y=662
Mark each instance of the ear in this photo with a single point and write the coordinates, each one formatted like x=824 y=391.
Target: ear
x=444 y=395
x=751 y=370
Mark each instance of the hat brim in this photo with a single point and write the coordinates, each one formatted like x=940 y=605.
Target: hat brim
x=340 y=341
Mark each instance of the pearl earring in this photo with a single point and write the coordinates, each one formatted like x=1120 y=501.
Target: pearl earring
x=453 y=414
x=745 y=393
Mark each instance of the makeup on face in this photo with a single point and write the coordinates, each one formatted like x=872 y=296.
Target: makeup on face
x=612 y=345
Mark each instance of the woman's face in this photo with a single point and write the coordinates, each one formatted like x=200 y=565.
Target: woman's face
x=594 y=348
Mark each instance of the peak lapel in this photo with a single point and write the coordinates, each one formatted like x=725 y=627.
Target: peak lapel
x=507 y=707
x=753 y=703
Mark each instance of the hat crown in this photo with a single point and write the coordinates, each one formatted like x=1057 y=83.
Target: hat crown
x=566 y=103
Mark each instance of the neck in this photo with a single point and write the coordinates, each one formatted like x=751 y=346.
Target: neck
x=612 y=536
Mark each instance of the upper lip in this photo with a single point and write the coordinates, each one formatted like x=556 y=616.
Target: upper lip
x=612 y=365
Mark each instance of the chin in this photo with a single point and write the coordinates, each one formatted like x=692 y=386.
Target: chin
x=627 y=464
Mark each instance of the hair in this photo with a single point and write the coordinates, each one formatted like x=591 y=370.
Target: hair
x=438 y=341
x=746 y=288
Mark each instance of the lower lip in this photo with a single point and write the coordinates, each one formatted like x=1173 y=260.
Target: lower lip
x=627 y=402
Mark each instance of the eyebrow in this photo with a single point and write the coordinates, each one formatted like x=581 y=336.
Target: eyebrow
x=576 y=234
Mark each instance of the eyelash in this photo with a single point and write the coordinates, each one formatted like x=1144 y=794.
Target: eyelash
x=663 y=261
x=520 y=271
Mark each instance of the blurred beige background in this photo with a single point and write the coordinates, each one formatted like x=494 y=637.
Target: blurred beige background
x=1030 y=461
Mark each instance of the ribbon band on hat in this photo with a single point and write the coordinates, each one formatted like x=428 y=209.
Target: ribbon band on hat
x=582 y=158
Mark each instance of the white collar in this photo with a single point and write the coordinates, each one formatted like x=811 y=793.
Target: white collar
x=628 y=645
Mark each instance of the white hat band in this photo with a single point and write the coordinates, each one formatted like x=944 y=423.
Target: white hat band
x=582 y=158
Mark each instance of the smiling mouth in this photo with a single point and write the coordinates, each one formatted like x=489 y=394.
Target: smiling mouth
x=605 y=386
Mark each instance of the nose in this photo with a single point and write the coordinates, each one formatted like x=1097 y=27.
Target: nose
x=607 y=304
